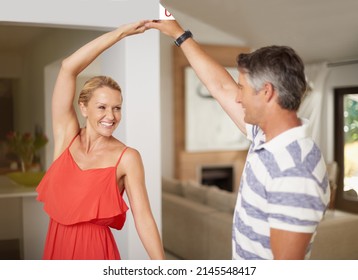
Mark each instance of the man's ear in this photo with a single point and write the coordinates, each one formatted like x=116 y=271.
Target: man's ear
x=269 y=92
x=83 y=109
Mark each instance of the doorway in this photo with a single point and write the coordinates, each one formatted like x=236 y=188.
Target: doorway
x=346 y=147
x=7 y=119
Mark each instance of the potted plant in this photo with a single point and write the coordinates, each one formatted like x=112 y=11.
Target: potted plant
x=25 y=145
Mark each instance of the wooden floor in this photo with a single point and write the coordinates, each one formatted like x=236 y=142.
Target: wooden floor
x=170 y=256
x=10 y=250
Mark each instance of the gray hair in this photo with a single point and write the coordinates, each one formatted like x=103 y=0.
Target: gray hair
x=280 y=66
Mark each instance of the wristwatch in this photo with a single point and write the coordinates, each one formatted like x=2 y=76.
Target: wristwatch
x=187 y=34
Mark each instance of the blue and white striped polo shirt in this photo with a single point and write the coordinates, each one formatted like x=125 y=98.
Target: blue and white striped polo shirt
x=284 y=186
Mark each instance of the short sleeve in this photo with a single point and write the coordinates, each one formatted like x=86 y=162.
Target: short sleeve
x=295 y=204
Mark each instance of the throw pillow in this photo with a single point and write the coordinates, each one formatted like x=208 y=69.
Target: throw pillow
x=221 y=200
x=195 y=192
x=172 y=186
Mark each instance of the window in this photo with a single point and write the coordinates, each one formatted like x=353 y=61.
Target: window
x=346 y=147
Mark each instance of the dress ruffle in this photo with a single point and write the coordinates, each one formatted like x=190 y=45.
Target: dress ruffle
x=71 y=195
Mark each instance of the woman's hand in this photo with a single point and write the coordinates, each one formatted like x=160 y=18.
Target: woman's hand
x=170 y=28
x=134 y=28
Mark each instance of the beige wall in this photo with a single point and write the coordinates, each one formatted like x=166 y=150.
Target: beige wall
x=55 y=46
x=29 y=105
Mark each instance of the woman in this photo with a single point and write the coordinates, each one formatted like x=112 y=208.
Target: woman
x=82 y=190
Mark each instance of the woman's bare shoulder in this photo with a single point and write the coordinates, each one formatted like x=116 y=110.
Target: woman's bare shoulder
x=127 y=152
x=131 y=157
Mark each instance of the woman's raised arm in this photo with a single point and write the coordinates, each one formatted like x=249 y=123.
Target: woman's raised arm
x=64 y=120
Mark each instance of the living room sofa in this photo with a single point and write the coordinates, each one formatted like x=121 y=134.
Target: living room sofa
x=197 y=224
x=197 y=220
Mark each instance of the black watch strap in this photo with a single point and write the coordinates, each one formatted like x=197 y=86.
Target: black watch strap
x=187 y=34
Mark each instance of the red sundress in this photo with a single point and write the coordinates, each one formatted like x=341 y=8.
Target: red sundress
x=82 y=205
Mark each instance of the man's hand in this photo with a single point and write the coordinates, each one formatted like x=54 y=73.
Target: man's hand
x=170 y=28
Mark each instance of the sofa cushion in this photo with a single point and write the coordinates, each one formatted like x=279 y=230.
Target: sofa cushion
x=195 y=192
x=219 y=233
x=233 y=200
x=172 y=186
x=185 y=227
x=221 y=200
x=336 y=237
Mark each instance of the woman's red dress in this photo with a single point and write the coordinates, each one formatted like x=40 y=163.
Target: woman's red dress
x=82 y=205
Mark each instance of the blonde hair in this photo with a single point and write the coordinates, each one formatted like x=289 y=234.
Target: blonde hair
x=94 y=83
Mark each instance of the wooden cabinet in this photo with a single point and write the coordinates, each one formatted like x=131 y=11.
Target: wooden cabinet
x=30 y=215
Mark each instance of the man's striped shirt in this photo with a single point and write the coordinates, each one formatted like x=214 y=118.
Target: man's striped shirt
x=284 y=186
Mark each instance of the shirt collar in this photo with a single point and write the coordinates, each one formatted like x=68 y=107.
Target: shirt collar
x=285 y=138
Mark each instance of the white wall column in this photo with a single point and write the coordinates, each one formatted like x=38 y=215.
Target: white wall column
x=136 y=68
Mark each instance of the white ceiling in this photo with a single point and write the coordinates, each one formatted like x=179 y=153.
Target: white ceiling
x=319 y=30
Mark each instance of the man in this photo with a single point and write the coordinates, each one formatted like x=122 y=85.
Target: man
x=284 y=189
